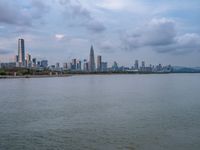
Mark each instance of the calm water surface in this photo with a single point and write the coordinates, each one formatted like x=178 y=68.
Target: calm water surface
x=101 y=112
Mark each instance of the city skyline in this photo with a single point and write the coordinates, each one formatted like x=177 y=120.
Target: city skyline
x=120 y=30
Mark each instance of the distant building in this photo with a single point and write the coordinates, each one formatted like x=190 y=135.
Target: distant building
x=65 y=66
x=115 y=66
x=44 y=63
x=136 y=65
x=104 y=66
x=38 y=64
x=57 y=65
x=143 y=64
x=21 y=52
x=78 y=67
x=99 y=63
x=34 y=62
x=28 y=61
x=73 y=67
x=92 y=60
x=85 y=66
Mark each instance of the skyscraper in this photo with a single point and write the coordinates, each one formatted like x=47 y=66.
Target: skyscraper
x=99 y=62
x=92 y=61
x=136 y=65
x=28 y=60
x=21 y=52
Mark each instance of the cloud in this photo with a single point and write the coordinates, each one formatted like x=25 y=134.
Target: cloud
x=161 y=36
x=5 y=52
x=59 y=36
x=80 y=16
x=14 y=13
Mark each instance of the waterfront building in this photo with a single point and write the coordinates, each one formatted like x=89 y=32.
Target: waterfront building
x=74 y=63
x=65 y=66
x=21 y=52
x=34 y=62
x=104 y=66
x=136 y=65
x=99 y=63
x=44 y=63
x=57 y=65
x=143 y=64
x=79 y=68
x=85 y=66
x=28 y=61
x=92 y=60
x=38 y=64
x=115 y=66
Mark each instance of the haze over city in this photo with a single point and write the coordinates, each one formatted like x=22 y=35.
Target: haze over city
x=120 y=30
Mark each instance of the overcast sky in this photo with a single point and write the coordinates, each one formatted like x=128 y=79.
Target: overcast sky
x=157 y=31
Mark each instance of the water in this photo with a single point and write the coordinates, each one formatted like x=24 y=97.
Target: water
x=101 y=112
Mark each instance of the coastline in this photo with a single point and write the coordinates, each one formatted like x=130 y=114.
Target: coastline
x=34 y=76
x=72 y=74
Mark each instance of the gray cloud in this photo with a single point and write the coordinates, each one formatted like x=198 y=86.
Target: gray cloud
x=161 y=36
x=15 y=14
x=81 y=16
x=4 y=51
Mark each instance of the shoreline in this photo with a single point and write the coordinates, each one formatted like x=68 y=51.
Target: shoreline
x=34 y=76
x=74 y=74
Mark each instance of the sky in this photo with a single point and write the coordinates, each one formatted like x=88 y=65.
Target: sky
x=156 y=31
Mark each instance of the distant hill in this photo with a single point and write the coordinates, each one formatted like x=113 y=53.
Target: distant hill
x=180 y=69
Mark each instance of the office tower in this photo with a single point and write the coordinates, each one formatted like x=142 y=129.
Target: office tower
x=44 y=63
x=28 y=60
x=38 y=64
x=65 y=66
x=92 y=61
x=21 y=52
x=73 y=67
x=16 y=58
x=115 y=66
x=99 y=61
x=79 y=66
x=85 y=65
x=143 y=64
x=136 y=65
x=34 y=62
x=57 y=65
x=104 y=66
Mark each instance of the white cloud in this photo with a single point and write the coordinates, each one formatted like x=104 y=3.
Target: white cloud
x=59 y=36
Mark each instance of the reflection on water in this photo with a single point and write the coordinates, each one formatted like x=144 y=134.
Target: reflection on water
x=141 y=112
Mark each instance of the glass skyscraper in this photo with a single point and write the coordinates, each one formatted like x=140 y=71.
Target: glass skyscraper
x=21 y=52
x=92 y=61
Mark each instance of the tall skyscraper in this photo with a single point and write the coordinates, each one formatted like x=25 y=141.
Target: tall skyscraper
x=21 y=52
x=143 y=64
x=99 y=63
x=85 y=65
x=74 y=64
x=136 y=65
x=92 y=61
x=28 y=60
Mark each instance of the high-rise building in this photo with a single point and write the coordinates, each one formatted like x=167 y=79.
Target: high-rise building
x=86 y=65
x=115 y=66
x=44 y=63
x=79 y=66
x=57 y=65
x=21 y=52
x=104 y=66
x=34 y=62
x=99 y=61
x=143 y=64
x=73 y=64
x=92 y=61
x=28 y=60
x=136 y=65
